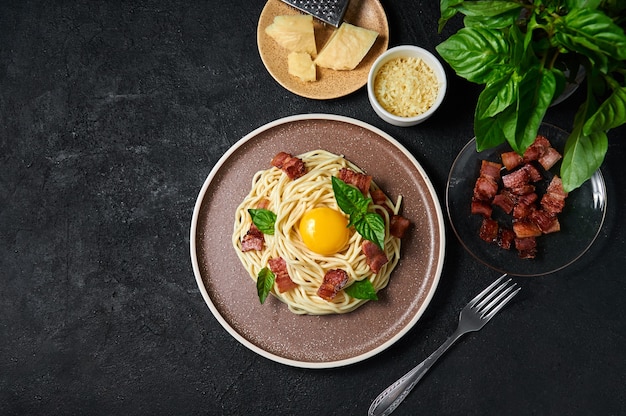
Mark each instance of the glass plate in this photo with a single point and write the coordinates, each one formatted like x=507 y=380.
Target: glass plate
x=581 y=219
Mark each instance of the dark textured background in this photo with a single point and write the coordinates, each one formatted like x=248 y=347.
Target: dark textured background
x=112 y=114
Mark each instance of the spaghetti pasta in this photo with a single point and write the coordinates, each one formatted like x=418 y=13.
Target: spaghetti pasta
x=290 y=200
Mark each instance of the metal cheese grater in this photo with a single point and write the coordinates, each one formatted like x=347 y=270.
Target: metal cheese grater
x=329 y=11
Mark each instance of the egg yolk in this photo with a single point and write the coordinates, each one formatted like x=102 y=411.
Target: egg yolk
x=324 y=230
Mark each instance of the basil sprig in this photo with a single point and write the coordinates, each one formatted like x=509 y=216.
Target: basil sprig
x=519 y=50
x=352 y=202
x=362 y=289
x=264 y=283
x=264 y=220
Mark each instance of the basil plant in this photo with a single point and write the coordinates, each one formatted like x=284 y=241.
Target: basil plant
x=522 y=52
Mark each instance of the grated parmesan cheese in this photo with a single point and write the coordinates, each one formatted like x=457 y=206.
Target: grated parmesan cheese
x=406 y=86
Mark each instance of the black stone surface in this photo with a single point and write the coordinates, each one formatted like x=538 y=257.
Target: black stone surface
x=112 y=114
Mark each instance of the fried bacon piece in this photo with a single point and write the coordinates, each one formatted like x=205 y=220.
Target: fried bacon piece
x=519 y=182
x=506 y=238
x=505 y=200
x=511 y=160
x=490 y=170
x=278 y=266
x=526 y=247
x=549 y=158
x=492 y=232
x=537 y=149
x=360 y=180
x=526 y=228
x=334 y=281
x=486 y=186
x=522 y=190
x=398 y=226
x=546 y=221
x=253 y=240
x=524 y=206
x=516 y=179
x=554 y=199
x=482 y=208
x=543 y=152
x=489 y=230
x=533 y=172
x=374 y=256
x=485 y=189
x=379 y=198
x=291 y=165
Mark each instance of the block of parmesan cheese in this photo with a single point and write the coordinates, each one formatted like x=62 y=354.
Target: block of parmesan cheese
x=300 y=64
x=294 y=33
x=346 y=47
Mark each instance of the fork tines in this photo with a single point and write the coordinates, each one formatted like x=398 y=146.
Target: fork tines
x=494 y=297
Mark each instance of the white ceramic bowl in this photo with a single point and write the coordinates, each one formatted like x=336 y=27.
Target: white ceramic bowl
x=406 y=51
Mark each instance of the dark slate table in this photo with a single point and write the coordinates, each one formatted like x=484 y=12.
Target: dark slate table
x=112 y=115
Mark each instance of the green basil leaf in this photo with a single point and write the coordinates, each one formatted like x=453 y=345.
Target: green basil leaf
x=489 y=133
x=521 y=55
x=610 y=114
x=488 y=8
x=583 y=155
x=371 y=226
x=529 y=36
x=362 y=289
x=355 y=217
x=349 y=198
x=496 y=22
x=476 y=54
x=536 y=90
x=264 y=283
x=449 y=4
x=593 y=34
x=497 y=96
x=512 y=110
x=448 y=11
x=264 y=220
x=579 y=4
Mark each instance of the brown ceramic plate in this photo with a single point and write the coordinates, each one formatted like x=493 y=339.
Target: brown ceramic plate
x=368 y=14
x=271 y=329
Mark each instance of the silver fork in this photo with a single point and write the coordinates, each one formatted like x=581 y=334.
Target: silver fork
x=472 y=318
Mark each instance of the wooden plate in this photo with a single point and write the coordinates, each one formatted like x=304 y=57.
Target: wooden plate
x=368 y=14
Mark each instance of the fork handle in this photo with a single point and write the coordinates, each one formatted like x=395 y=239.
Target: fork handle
x=392 y=396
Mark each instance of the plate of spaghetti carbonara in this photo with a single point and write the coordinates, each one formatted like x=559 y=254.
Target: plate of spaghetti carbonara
x=317 y=241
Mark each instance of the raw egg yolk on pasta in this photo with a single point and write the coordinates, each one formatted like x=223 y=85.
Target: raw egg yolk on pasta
x=324 y=230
